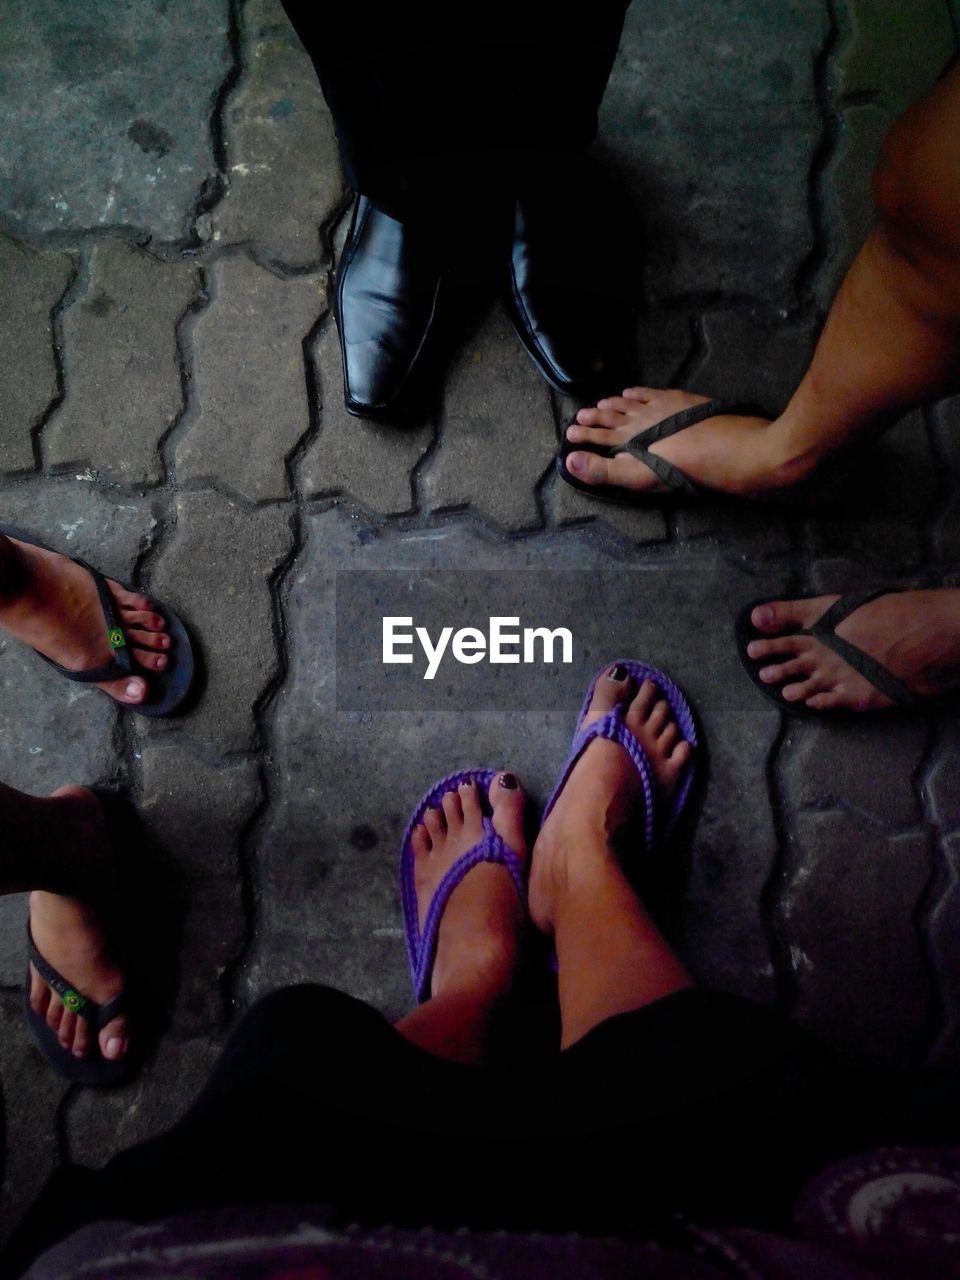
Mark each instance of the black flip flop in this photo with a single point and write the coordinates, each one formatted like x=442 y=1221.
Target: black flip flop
x=94 y=1069
x=638 y=446
x=824 y=629
x=167 y=689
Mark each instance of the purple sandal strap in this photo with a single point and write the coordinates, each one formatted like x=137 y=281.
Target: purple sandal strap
x=611 y=727
x=640 y=671
x=422 y=943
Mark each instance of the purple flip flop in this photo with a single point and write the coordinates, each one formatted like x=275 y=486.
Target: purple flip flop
x=422 y=947
x=657 y=824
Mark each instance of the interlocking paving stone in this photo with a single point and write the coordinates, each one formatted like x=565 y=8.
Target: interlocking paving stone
x=848 y=910
x=943 y=931
x=873 y=503
x=945 y=431
x=887 y=59
x=371 y=461
x=665 y=341
x=868 y=765
x=566 y=506
x=282 y=162
x=56 y=731
x=498 y=435
x=198 y=812
x=896 y=54
x=93 y=135
x=31 y=284
x=751 y=356
x=332 y=830
x=214 y=569
x=681 y=136
x=862 y=130
x=31 y=1095
x=121 y=366
x=940 y=783
x=98 y=1125
x=251 y=392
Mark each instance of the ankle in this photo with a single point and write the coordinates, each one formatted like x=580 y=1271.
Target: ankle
x=483 y=977
x=789 y=454
x=569 y=868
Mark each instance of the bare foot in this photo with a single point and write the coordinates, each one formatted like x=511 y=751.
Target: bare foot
x=728 y=453
x=914 y=634
x=51 y=604
x=479 y=936
x=67 y=934
x=599 y=796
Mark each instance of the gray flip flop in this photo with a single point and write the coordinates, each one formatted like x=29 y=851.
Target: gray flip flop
x=167 y=689
x=824 y=630
x=638 y=446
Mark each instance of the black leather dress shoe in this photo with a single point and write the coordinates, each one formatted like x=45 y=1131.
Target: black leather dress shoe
x=563 y=324
x=386 y=298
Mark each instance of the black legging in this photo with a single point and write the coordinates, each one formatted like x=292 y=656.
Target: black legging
x=716 y=1106
x=427 y=105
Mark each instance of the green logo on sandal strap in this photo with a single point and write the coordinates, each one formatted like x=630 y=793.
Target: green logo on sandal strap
x=117 y=639
x=73 y=1000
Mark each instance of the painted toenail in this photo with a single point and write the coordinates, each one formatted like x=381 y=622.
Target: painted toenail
x=509 y=781
x=618 y=674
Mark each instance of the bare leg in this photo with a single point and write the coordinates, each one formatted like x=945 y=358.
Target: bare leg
x=479 y=937
x=891 y=340
x=611 y=957
x=51 y=604
x=57 y=846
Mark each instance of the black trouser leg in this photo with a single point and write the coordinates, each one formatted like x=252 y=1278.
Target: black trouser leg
x=424 y=99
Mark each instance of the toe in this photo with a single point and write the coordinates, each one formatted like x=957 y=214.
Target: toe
x=589 y=467
x=130 y=690
x=618 y=404
x=67 y=1028
x=826 y=701
x=577 y=433
x=55 y=1012
x=470 y=802
x=39 y=993
x=420 y=841
x=802 y=691
x=599 y=418
x=151 y=661
x=659 y=717
x=82 y=1038
x=433 y=821
x=784 y=670
x=783 y=615
x=507 y=801
x=148 y=639
x=613 y=686
x=113 y=1039
x=134 y=600
x=643 y=394
x=644 y=702
x=781 y=645
x=452 y=811
x=145 y=619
